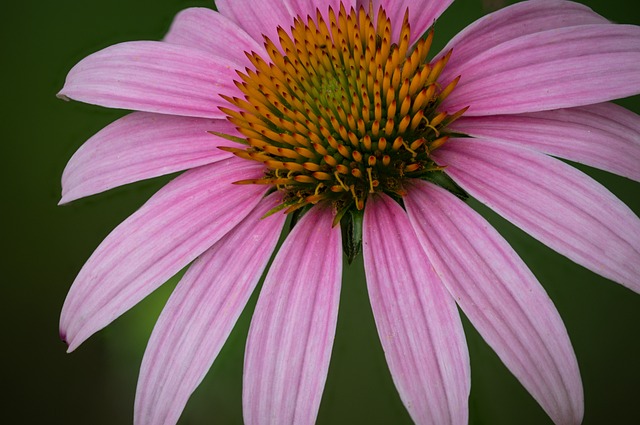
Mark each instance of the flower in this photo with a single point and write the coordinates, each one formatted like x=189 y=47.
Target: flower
x=331 y=113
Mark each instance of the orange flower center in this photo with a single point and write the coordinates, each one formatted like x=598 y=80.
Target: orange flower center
x=339 y=111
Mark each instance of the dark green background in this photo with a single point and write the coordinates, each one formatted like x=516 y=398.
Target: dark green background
x=44 y=246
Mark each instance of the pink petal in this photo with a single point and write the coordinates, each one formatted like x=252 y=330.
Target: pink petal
x=153 y=76
x=417 y=319
x=554 y=69
x=211 y=32
x=176 y=225
x=304 y=8
x=422 y=14
x=141 y=146
x=604 y=135
x=200 y=314
x=553 y=202
x=520 y=19
x=293 y=326
x=259 y=18
x=501 y=297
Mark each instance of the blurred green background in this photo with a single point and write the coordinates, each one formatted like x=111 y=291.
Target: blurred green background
x=44 y=246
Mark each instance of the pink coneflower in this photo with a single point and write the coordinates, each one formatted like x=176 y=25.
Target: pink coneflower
x=332 y=113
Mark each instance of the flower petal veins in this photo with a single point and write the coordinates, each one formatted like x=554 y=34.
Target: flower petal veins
x=204 y=29
x=501 y=298
x=259 y=18
x=152 y=76
x=548 y=70
x=417 y=319
x=176 y=225
x=604 y=135
x=201 y=313
x=331 y=113
x=422 y=14
x=518 y=20
x=553 y=202
x=293 y=326
x=141 y=146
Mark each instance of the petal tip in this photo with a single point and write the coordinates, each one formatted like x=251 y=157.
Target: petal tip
x=60 y=95
x=70 y=193
x=63 y=338
x=72 y=343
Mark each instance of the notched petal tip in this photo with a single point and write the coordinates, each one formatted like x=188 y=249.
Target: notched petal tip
x=63 y=338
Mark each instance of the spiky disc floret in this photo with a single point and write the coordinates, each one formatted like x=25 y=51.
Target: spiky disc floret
x=339 y=111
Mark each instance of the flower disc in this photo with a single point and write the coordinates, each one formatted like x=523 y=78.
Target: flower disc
x=340 y=111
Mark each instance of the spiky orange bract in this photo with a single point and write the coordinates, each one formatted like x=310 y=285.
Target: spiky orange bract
x=340 y=111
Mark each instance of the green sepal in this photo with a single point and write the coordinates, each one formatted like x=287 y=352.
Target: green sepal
x=277 y=208
x=297 y=215
x=351 y=227
x=341 y=212
x=441 y=179
x=229 y=137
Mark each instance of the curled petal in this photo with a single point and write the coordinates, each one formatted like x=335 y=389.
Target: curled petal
x=293 y=326
x=141 y=146
x=501 y=298
x=171 y=229
x=416 y=317
x=553 y=202
x=200 y=314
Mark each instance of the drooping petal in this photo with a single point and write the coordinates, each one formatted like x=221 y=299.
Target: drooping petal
x=210 y=31
x=176 y=225
x=417 y=319
x=520 y=19
x=200 y=314
x=259 y=18
x=153 y=76
x=501 y=297
x=554 y=69
x=141 y=146
x=553 y=202
x=422 y=14
x=293 y=326
x=604 y=135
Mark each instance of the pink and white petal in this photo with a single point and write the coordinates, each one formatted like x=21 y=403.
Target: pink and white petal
x=259 y=18
x=210 y=31
x=171 y=229
x=604 y=135
x=417 y=319
x=553 y=69
x=514 y=21
x=153 y=76
x=422 y=14
x=140 y=146
x=293 y=326
x=201 y=313
x=553 y=202
x=501 y=298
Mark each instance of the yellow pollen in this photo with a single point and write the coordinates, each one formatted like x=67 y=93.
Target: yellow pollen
x=341 y=108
